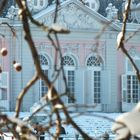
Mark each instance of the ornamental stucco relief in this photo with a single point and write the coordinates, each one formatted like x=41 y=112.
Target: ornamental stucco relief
x=72 y=16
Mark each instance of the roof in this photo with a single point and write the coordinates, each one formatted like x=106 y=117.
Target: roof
x=92 y=16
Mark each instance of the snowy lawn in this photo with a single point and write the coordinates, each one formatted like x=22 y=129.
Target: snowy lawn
x=95 y=124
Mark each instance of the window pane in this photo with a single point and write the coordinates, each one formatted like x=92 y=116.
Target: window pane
x=71 y=85
x=43 y=60
x=94 y=61
x=132 y=89
x=67 y=60
x=43 y=86
x=97 y=87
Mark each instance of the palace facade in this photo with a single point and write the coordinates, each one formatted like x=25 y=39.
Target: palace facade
x=97 y=72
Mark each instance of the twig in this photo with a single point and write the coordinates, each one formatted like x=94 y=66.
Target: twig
x=23 y=92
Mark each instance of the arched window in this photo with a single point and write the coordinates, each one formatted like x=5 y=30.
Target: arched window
x=69 y=66
x=43 y=60
x=44 y=65
x=94 y=62
x=67 y=61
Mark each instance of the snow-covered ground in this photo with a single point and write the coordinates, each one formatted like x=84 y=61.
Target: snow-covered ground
x=95 y=124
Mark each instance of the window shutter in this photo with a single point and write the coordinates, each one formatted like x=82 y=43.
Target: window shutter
x=89 y=87
x=105 y=87
x=79 y=86
x=124 y=87
x=4 y=80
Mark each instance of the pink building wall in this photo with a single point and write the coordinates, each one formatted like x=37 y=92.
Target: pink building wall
x=121 y=65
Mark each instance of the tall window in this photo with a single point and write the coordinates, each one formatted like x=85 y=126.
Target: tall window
x=44 y=66
x=95 y=63
x=132 y=89
x=130 y=83
x=97 y=86
x=69 y=66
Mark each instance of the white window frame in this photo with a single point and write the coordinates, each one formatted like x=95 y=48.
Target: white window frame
x=131 y=73
x=67 y=68
x=97 y=87
x=45 y=68
x=95 y=68
x=131 y=86
x=42 y=85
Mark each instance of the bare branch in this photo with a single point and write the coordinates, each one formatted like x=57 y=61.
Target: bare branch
x=23 y=92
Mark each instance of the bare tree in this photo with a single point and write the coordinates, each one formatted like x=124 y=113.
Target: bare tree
x=21 y=129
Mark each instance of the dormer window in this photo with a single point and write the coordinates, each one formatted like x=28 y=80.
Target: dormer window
x=93 y=4
x=39 y=4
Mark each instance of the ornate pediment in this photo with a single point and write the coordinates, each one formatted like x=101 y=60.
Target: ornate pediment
x=73 y=16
